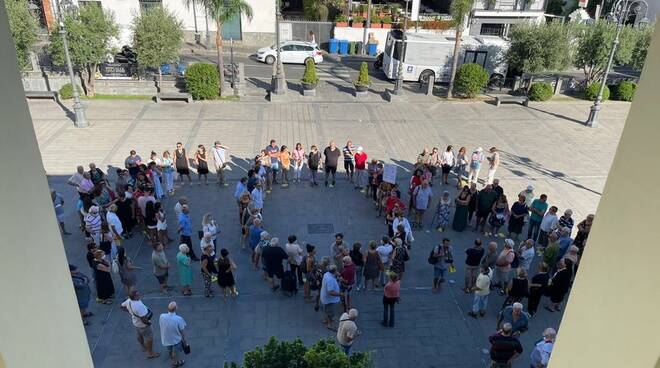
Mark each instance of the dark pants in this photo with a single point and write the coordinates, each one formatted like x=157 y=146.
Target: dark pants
x=188 y=241
x=330 y=171
x=388 y=308
x=533 y=229
x=533 y=302
x=297 y=272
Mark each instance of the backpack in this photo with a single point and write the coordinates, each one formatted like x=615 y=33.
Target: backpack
x=432 y=260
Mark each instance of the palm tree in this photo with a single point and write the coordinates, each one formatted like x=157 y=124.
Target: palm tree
x=222 y=11
x=459 y=10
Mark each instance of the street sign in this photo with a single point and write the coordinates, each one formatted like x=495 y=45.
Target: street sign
x=118 y=70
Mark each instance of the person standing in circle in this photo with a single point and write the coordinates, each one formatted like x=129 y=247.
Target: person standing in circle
x=202 y=165
x=360 y=169
x=493 y=164
x=168 y=172
x=181 y=163
x=298 y=162
x=220 y=162
x=207 y=265
x=105 y=289
x=448 y=160
x=372 y=265
x=348 y=152
x=126 y=270
x=391 y=293
x=331 y=154
x=461 y=214
x=313 y=162
x=183 y=262
x=285 y=161
x=226 y=268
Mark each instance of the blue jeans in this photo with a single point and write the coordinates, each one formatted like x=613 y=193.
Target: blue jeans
x=346 y=348
x=480 y=303
x=358 y=276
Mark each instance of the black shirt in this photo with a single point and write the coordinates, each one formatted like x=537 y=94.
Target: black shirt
x=273 y=257
x=331 y=157
x=540 y=279
x=503 y=348
x=313 y=160
x=251 y=183
x=210 y=266
x=499 y=190
x=356 y=257
x=474 y=256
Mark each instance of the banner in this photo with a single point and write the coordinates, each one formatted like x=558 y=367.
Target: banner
x=389 y=173
x=414 y=12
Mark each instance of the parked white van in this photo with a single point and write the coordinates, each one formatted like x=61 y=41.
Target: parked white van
x=428 y=54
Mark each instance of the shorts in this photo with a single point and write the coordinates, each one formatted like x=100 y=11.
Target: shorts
x=162 y=278
x=144 y=332
x=330 y=310
x=176 y=347
x=349 y=166
x=183 y=171
x=439 y=273
x=446 y=169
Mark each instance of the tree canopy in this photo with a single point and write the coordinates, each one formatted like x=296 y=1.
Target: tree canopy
x=23 y=28
x=540 y=48
x=157 y=37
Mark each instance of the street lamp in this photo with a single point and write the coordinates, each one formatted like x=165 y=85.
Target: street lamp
x=79 y=110
x=398 y=86
x=278 y=80
x=619 y=13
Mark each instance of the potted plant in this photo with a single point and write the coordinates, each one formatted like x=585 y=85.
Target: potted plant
x=341 y=21
x=358 y=21
x=309 y=79
x=375 y=21
x=387 y=22
x=362 y=83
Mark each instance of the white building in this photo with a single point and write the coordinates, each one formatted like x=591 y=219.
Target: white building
x=494 y=18
x=260 y=30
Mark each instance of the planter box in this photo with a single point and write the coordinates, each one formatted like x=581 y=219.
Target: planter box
x=309 y=92
x=360 y=88
x=386 y=25
x=358 y=25
x=341 y=24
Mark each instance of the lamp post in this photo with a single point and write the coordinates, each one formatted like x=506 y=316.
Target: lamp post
x=278 y=80
x=398 y=85
x=619 y=12
x=78 y=108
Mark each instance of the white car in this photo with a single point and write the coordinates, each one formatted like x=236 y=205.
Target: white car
x=293 y=52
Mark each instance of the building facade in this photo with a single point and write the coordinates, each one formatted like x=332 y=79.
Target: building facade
x=494 y=18
x=260 y=30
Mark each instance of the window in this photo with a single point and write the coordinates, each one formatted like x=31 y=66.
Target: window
x=492 y=29
x=82 y=3
x=288 y=48
x=476 y=57
x=148 y=4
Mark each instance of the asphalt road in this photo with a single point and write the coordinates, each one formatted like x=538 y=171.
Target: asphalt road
x=331 y=69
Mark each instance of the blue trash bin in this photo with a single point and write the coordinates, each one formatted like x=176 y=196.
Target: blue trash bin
x=371 y=49
x=333 y=45
x=165 y=68
x=343 y=47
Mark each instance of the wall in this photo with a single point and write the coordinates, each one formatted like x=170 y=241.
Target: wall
x=103 y=86
x=612 y=319
x=41 y=324
x=124 y=11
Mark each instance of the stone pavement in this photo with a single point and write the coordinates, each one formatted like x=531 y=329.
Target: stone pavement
x=542 y=145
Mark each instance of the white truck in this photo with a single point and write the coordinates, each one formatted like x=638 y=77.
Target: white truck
x=428 y=54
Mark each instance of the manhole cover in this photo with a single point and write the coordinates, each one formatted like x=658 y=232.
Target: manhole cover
x=320 y=229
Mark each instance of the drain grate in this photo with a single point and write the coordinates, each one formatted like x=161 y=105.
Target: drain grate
x=320 y=229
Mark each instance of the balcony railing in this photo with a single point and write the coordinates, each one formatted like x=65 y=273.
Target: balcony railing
x=510 y=5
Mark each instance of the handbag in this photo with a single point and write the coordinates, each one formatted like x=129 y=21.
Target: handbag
x=185 y=347
x=200 y=234
x=115 y=266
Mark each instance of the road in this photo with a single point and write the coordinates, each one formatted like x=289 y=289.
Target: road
x=330 y=69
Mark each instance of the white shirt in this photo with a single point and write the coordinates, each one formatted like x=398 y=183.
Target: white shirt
x=527 y=256
x=137 y=309
x=294 y=251
x=76 y=179
x=113 y=221
x=384 y=252
x=347 y=330
x=218 y=155
x=211 y=228
x=258 y=198
x=549 y=222
x=171 y=326
x=404 y=222
x=447 y=158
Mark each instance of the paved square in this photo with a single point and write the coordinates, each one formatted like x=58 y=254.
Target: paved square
x=543 y=145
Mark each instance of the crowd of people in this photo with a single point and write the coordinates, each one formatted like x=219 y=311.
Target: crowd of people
x=110 y=212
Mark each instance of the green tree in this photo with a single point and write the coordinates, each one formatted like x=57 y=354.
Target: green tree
x=594 y=43
x=459 y=11
x=641 y=47
x=222 y=11
x=90 y=32
x=316 y=10
x=540 y=48
x=23 y=29
x=157 y=38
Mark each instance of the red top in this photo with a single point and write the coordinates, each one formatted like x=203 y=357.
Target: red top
x=414 y=182
x=392 y=289
x=348 y=274
x=393 y=201
x=360 y=160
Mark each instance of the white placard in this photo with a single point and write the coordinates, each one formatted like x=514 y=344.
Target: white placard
x=389 y=173
x=286 y=31
x=414 y=12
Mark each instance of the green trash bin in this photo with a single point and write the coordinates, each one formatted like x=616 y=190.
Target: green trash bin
x=351 y=48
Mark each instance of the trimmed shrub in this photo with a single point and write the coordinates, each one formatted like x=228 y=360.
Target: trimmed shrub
x=624 y=91
x=202 y=81
x=363 y=77
x=591 y=92
x=309 y=77
x=470 y=80
x=540 y=91
x=66 y=92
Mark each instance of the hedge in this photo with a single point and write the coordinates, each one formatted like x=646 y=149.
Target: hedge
x=624 y=91
x=591 y=92
x=202 y=81
x=540 y=91
x=470 y=80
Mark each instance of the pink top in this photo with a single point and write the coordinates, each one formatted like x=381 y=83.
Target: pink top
x=299 y=154
x=392 y=289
